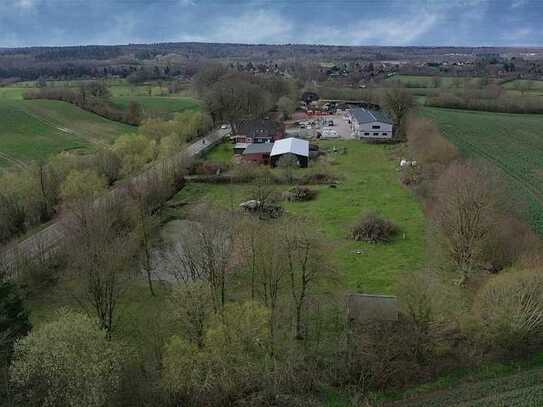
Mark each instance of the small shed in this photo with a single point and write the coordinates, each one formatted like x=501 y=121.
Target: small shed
x=364 y=308
x=293 y=146
x=258 y=152
x=239 y=148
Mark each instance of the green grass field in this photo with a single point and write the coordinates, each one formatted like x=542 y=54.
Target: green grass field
x=154 y=98
x=497 y=386
x=421 y=85
x=511 y=142
x=221 y=153
x=37 y=129
x=422 y=81
x=369 y=182
x=153 y=105
x=12 y=92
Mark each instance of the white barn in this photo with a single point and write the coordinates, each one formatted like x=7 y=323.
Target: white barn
x=371 y=124
x=293 y=146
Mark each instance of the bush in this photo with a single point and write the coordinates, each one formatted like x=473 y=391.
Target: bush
x=373 y=228
x=207 y=168
x=68 y=362
x=509 y=309
x=383 y=356
x=300 y=193
x=230 y=364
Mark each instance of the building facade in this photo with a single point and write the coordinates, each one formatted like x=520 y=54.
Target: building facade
x=371 y=124
x=258 y=131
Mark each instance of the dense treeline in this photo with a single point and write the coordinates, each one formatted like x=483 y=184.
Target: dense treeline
x=500 y=103
x=487 y=97
x=94 y=97
x=230 y=95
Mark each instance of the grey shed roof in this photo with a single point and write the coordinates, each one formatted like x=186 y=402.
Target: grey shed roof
x=258 y=148
x=366 y=307
x=369 y=116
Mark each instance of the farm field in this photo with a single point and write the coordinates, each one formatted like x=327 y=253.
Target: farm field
x=153 y=105
x=153 y=97
x=422 y=81
x=421 y=85
x=511 y=142
x=512 y=389
x=36 y=129
x=368 y=182
x=12 y=92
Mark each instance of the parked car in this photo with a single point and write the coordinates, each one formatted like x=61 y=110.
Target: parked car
x=224 y=126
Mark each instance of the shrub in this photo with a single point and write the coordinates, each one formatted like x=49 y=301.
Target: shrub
x=426 y=144
x=300 y=193
x=207 y=168
x=229 y=365
x=383 y=355
x=509 y=309
x=68 y=362
x=373 y=228
x=14 y=317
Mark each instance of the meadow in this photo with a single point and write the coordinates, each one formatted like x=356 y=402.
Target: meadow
x=159 y=105
x=368 y=181
x=513 y=143
x=421 y=85
x=496 y=385
x=37 y=129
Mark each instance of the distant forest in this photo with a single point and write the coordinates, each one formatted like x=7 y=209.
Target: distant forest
x=152 y=61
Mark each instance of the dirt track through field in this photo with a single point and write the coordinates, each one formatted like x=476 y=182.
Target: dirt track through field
x=52 y=124
x=13 y=161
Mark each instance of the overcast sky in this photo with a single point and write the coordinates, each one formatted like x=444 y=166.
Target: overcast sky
x=344 y=22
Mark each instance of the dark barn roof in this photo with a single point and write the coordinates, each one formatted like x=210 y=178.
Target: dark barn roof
x=370 y=116
x=258 y=148
x=258 y=127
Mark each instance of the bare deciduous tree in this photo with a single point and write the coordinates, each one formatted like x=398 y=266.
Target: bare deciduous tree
x=306 y=265
x=398 y=102
x=466 y=203
x=101 y=248
x=510 y=308
x=204 y=252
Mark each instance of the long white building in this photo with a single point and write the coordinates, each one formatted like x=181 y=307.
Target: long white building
x=371 y=124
